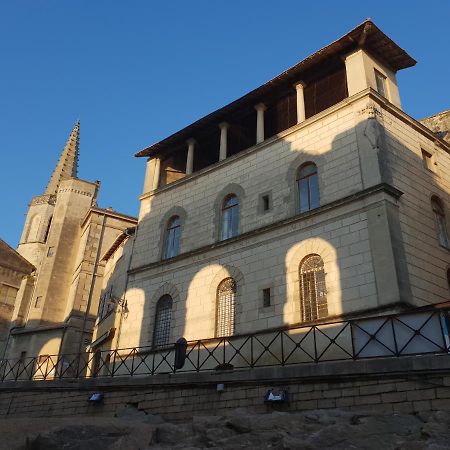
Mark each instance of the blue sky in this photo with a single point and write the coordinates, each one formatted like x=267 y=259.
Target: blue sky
x=134 y=72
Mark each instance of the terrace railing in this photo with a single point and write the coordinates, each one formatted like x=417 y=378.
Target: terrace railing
x=422 y=331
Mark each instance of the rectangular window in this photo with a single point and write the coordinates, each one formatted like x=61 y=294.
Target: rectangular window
x=266 y=297
x=381 y=83
x=38 y=302
x=50 y=251
x=266 y=202
x=8 y=294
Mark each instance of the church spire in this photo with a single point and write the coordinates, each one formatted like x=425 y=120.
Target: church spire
x=68 y=162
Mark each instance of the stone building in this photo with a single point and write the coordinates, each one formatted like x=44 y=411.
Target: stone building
x=14 y=270
x=314 y=197
x=65 y=234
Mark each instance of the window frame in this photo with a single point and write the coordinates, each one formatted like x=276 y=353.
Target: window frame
x=318 y=308
x=172 y=238
x=161 y=331
x=312 y=180
x=383 y=79
x=225 y=311
x=229 y=220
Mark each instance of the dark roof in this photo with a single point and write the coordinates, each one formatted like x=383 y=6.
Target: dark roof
x=13 y=260
x=366 y=35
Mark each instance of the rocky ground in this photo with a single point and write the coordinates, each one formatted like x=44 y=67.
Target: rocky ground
x=321 y=429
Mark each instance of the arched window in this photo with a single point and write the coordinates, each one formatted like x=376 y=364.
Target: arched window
x=441 y=224
x=226 y=292
x=33 y=230
x=172 y=238
x=230 y=217
x=163 y=319
x=313 y=291
x=308 y=187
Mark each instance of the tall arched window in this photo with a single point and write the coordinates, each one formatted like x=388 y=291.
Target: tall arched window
x=33 y=230
x=230 y=217
x=226 y=292
x=308 y=187
x=172 y=238
x=163 y=319
x=441 y=223
x=313 y=291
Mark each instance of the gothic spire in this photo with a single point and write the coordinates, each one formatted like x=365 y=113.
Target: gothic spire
x=68 y=162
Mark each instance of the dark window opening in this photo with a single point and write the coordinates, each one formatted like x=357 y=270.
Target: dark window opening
x=280 y=115
x=325 y=92
x=265 y=203
x=266 y=297
x=38 y=302
x=448 y=278
x=47 y=230
x=51 y=251
x=241 y=133
x=173 y=167
x=206 y=150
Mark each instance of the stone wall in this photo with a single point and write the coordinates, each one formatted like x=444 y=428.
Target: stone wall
x=406 y=385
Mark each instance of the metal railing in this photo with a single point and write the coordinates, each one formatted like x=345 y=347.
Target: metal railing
x=422 y=331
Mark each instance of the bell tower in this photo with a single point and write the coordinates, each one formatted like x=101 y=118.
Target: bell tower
x=32 y=244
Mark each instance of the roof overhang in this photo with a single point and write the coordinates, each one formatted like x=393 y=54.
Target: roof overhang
x=366 y=36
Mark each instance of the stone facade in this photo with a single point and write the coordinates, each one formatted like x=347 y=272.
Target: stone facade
x=14 y=272
x=374 y=227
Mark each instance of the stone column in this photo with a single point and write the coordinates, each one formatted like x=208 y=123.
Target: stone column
x=223 y=140
x=260 y=108
x=190 y=156
x=156 y=173
x=300 y=102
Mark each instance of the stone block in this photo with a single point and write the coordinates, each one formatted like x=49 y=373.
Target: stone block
x=394 y=397
x=423 y=394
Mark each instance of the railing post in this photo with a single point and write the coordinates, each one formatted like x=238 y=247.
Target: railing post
x=353 y=341
x=180 y=354
x=394 y=336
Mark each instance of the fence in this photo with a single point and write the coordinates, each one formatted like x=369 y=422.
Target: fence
x=420 y=332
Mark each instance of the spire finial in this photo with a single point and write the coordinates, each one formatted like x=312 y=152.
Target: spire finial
x=67 y=166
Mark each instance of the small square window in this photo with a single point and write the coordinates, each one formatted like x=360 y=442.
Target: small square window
x=266 y=297
x=50 y=251
x=381 y=83
x=264 y=202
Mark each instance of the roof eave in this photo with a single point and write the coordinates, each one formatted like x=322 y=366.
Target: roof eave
x=359 y=37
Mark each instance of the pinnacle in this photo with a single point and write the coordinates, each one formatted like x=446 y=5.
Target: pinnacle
x=67 y=166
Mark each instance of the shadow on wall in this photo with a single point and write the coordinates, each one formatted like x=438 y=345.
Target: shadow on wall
x=369 y=246
x=37 y=351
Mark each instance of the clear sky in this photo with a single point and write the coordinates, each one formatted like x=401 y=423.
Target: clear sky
x=136 y=71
